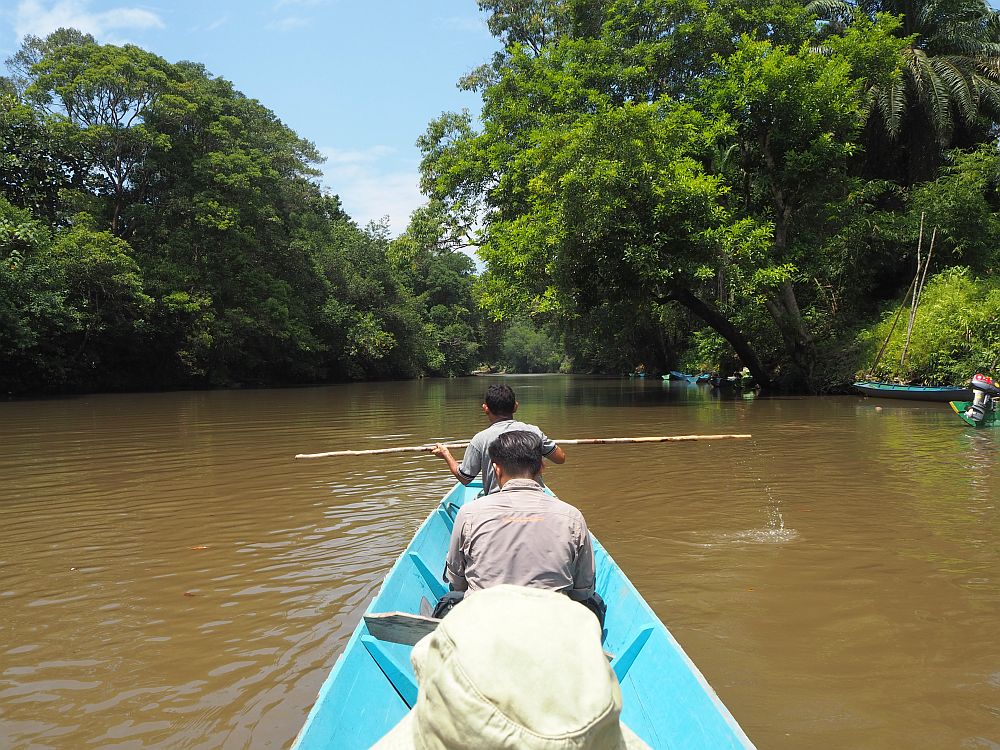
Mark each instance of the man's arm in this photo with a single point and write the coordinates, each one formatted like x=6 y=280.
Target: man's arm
x=440 y=450
x=550 y=450
x=585 y=577
x=454 y=564
x=557 y=456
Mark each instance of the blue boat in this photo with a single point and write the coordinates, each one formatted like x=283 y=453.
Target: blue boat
x=914 y=392
x=666 y=700
x=702 y=378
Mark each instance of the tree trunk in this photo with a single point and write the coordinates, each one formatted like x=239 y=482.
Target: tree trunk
x=721 y=324
x=784 y=309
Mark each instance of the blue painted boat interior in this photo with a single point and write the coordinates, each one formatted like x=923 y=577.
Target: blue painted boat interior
x=666 y=700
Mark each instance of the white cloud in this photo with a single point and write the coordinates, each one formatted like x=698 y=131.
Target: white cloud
x=217 y=23
x=463 y=23
x=40 y=18
x=372 y=184
x=289 y=23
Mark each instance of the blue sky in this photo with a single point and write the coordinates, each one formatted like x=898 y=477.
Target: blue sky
x=359 y=78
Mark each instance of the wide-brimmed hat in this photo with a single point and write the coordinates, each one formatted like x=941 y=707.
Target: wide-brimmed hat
x=514 y=668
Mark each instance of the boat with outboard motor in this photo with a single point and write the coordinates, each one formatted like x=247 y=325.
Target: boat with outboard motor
x=666 y=700
x=982 y=410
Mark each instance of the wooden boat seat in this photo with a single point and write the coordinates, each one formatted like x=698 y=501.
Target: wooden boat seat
x=400 y=627
x=406 y=628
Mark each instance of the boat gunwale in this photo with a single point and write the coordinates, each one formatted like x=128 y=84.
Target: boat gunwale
x=721 y=711
x=914 y=392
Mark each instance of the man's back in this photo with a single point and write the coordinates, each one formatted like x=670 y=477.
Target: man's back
x=521 y=535
x=476 y=460
x=499 y=406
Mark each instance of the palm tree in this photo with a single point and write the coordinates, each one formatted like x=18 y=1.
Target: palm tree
x=949 y=93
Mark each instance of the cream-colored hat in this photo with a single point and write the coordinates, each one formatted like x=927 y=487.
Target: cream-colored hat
x=514 y=668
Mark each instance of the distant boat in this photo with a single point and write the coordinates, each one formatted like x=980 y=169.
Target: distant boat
x=666 y=700
x=703 y=378
x=733 y=382
x=914 y=392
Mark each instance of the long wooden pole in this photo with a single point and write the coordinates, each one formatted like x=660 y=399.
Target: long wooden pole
x=577 y=441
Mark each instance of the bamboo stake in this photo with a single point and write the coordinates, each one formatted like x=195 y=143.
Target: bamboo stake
x=578 y=441
x=895 y=320
x=918 y=292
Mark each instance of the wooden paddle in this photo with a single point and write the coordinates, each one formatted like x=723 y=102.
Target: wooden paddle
x=579 y=441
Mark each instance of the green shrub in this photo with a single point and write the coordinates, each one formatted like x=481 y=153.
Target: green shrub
x=527 y=349
x=956 y=332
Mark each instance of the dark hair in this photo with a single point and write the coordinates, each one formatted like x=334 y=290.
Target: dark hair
x=518 y=452
x=500 y=399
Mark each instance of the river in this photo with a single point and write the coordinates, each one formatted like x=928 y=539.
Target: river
x=171 y=578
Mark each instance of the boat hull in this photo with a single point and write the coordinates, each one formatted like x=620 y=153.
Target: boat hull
x=959 y=408
x=914 y=392
x=666 y=700
x=703 y=378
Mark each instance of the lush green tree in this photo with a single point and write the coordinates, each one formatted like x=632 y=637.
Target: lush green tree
x=103 y=95
x=171 y=231
x=529 y=349
x=949 y=92
x=34 y=162
x=219 y=222
x=795 y=117
x=428 y=262
x=104 y=286
x=72 y=305
x=34 y=316
x=588 y=187
x=956 y=333
x=656 y=152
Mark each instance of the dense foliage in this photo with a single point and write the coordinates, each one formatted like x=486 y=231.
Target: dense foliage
x=160 y=229
x=956 y=332
x=654 y=183
x=746 y=179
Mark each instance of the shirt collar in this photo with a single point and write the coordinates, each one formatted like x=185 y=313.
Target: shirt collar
x=520 y=484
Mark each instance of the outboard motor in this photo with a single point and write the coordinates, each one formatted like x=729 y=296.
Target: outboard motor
x=983 y=400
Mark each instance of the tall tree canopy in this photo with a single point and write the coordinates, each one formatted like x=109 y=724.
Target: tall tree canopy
x=633 y=154
x=158 y=228
x=949 y=92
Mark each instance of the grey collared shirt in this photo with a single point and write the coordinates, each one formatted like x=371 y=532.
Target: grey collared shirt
x=523 y=536
x=477 y=457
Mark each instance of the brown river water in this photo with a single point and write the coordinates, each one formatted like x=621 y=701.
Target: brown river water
x=171 y=578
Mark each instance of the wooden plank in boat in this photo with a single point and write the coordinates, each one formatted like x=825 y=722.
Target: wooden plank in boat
x=400 y=627
x=406 y=628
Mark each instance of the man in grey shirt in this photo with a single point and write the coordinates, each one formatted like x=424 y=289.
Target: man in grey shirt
x=499 y=406
x=520 y=534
